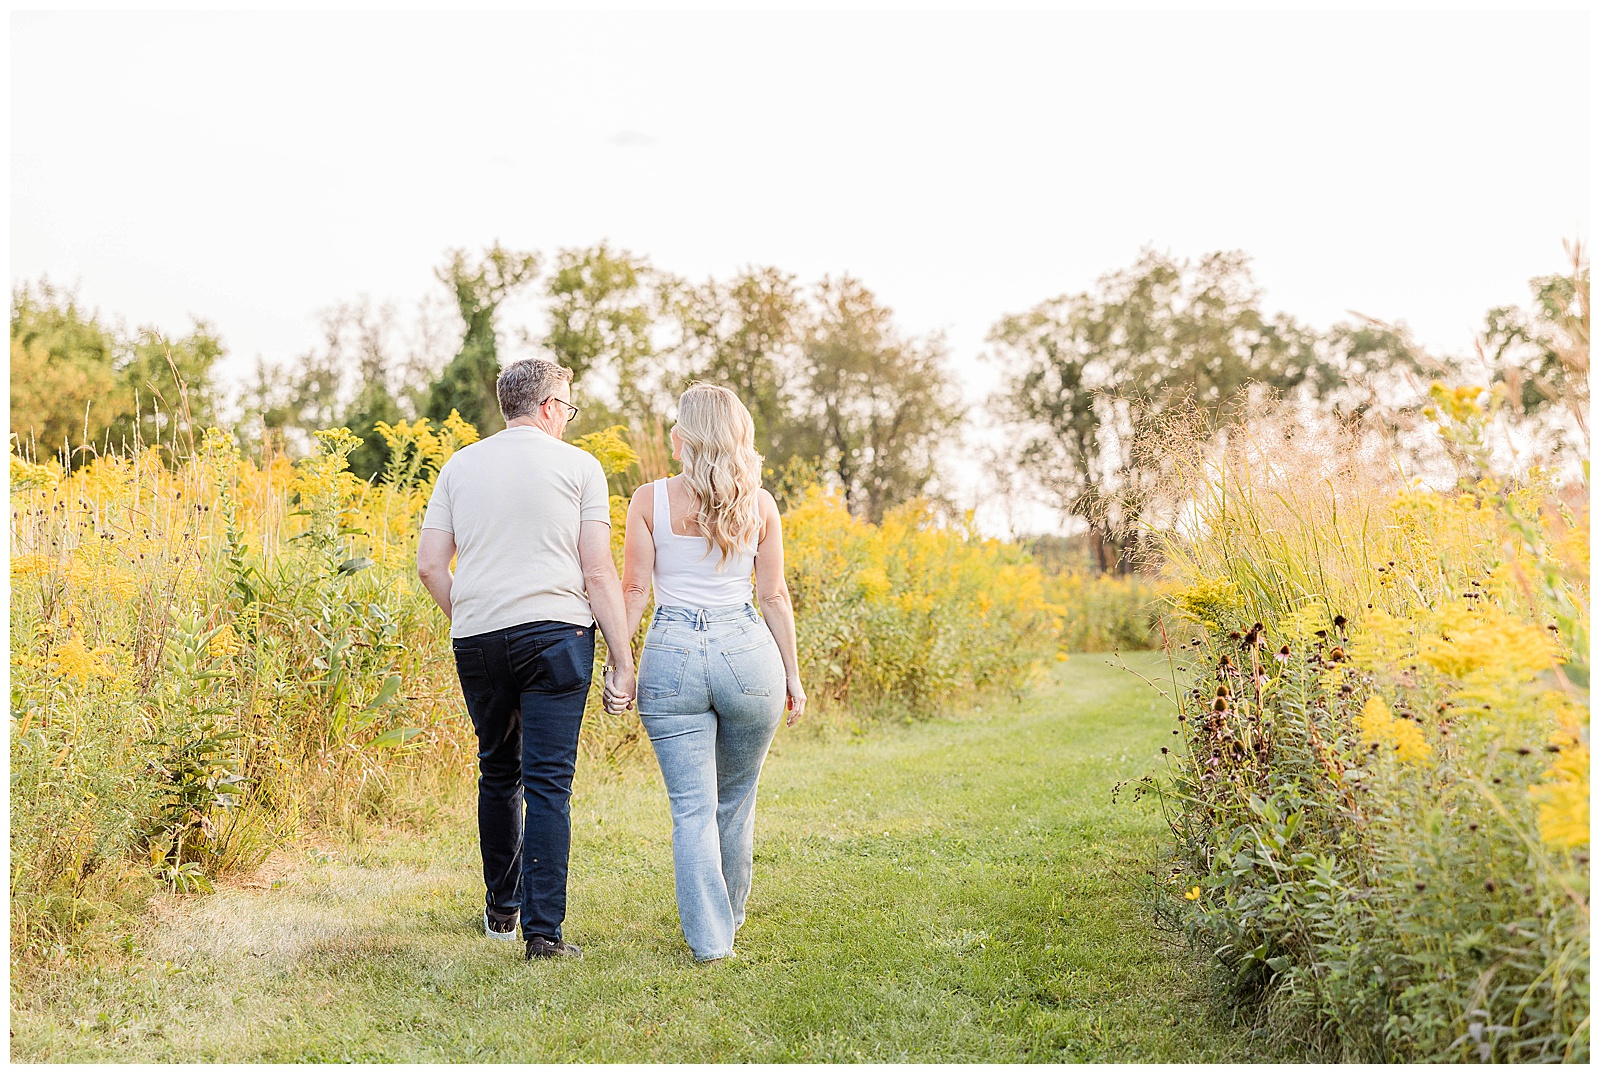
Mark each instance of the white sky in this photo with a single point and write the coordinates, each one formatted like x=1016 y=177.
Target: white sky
x=253 y=169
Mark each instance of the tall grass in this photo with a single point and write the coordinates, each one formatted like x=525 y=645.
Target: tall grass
x=1378 y=783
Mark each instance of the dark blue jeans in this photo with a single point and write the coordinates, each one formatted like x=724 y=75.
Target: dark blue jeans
x=525 y=688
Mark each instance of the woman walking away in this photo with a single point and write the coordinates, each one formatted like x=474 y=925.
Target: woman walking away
x=714 y=675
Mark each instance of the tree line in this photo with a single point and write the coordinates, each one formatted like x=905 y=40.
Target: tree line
x=837 y=390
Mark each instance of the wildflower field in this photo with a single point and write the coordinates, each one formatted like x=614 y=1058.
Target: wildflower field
x=212 y=656
x=1376 y=784
x=1378 y=781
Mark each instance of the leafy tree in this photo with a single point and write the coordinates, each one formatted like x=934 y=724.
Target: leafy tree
x=167 y=386
x=879 y=405
x=1540 y=355
x=746 y=334
x=372 y=406
x=467 y=383
x=603 y=306
x=77 y=385
x=63 y=371
x=1088 y=374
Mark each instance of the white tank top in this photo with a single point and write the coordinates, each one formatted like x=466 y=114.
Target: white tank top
x=687 y=574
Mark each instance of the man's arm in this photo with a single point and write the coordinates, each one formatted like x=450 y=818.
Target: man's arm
x=605 y=600
x=435 y=550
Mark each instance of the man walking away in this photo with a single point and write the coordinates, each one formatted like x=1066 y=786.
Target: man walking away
x=528 y=520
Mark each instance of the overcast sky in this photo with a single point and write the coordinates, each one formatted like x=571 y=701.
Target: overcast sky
x=254 y=169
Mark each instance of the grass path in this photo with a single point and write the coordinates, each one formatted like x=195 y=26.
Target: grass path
x=956 y=890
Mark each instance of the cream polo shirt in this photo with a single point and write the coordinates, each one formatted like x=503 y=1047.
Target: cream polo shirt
x=514 y=502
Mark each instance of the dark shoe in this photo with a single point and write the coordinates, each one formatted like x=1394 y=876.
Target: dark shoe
x=545 y=947
x=499 y=928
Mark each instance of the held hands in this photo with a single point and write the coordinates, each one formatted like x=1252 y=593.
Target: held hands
x=619 y=689
x=797 y=701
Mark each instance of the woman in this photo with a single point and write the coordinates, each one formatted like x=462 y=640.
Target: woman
x=714 y=675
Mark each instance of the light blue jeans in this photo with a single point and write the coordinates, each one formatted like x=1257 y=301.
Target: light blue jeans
x=711 y=692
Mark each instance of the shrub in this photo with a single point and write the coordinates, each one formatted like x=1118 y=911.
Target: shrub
x=1102 y=612
x=1380 y=791
x=203 y=654
x=907 y=613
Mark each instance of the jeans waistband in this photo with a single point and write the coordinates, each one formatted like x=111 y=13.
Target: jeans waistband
x=703 y=617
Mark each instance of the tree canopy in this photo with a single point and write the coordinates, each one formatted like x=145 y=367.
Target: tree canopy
x=80 y=386
x=479 y=286
x=1086 y=374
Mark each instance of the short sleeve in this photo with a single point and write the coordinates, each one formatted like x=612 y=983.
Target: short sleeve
x=596 y=506
x=437 y=517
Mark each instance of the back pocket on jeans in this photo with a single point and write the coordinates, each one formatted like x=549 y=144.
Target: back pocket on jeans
x=661 y=671
x=751 y=665
x=567 y=665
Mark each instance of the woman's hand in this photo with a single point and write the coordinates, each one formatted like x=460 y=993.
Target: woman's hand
x=797 y=700
x=616 y=696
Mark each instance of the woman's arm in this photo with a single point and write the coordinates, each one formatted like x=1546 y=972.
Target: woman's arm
x=638 y=557
x=773 y=591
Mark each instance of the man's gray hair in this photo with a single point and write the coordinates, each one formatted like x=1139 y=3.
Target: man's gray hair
x=524 y=385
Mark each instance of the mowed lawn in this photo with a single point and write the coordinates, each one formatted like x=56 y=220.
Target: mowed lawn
x=961 y=889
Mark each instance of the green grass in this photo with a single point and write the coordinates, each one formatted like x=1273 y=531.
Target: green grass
x=956 y=890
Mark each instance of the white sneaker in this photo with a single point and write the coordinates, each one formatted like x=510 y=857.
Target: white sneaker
x=490 y=931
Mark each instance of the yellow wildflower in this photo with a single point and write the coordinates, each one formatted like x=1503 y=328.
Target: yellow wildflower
x=1470 y=639
x=1379 y=727
x=225 y=642
x=1303 y=623
x=74 y=659
x=459 y=432
x=873 y=583
x=1210 y=601
x=1460 y=404
x=26 y=475
x=1563 y=797
x=99 y=575
x=1564 y=809
x=30 y=566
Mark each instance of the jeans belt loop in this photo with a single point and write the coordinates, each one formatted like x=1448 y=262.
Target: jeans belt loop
x=700 y=620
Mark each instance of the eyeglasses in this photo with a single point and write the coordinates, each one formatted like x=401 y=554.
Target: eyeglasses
x=573 y=416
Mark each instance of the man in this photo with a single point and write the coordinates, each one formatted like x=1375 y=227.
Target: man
x=528 y=520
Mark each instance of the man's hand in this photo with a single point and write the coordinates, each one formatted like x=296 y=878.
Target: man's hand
x=618 y=692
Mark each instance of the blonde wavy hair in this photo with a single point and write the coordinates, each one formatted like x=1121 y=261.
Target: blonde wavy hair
x=717 y=440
